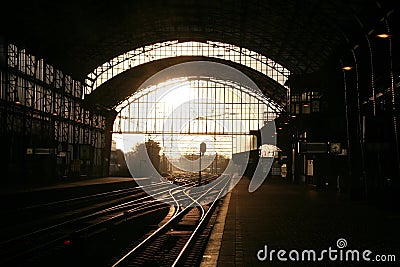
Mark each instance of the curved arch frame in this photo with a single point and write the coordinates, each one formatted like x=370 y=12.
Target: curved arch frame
x=262 y=98
x=124 y=107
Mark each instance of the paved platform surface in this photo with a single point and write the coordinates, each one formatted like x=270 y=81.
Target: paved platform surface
x=297 y=217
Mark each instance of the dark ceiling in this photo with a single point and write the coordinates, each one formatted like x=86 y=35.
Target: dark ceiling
x=301 y=35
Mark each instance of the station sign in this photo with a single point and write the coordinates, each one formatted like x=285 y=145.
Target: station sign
x=203 y=148
x=44 y=151
x=313 y=148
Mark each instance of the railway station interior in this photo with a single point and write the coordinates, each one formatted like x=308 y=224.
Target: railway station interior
x=295 y=104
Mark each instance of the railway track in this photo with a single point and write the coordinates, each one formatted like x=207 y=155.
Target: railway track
x=26 y=219
x=181 y=240
x=127 y=228
x=72 y=224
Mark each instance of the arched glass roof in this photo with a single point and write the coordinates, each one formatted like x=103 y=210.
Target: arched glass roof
x=175 y=48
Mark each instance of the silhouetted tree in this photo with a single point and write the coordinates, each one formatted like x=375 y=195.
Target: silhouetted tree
x=144 y=158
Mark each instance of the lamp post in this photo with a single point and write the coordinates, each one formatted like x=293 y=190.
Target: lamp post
x=203 y=148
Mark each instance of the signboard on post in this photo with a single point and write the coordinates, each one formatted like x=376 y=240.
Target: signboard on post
x=203 y=148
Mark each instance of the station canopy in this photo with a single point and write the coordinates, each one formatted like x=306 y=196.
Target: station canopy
x=79 y=36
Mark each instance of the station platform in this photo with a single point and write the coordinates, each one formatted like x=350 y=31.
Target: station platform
x=21 y=195
x=285 y=216
x=64 y=184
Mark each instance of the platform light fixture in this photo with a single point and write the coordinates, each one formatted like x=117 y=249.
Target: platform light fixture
x=54 y=113
x=383 y=35
x=16 y=98
x=17 y=101
x=347 y=68
x=97 y=126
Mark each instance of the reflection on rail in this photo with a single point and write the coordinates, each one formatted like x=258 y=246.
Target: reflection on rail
x=195 y=216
